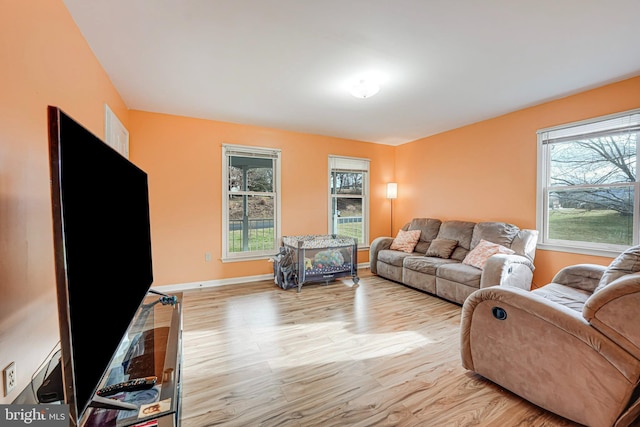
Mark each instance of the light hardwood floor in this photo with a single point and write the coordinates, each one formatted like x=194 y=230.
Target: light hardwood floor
x=334 y=355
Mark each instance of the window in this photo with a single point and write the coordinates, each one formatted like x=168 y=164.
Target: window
x=251 y=202
x=588 y=185
x=349 y=198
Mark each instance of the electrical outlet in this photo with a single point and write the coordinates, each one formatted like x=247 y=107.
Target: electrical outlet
x=9 y=377
x=207 y=256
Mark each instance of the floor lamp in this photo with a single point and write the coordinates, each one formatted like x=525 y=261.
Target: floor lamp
x=392 y=193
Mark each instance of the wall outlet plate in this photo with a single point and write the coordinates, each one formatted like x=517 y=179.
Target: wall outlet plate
x=9 y=378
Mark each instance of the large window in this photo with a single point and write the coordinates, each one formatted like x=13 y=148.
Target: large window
x=251 y=202
x=349 y=198
x=588 y=185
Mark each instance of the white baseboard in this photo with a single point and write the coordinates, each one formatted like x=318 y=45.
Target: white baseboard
x=212 y=283
x=178 y=287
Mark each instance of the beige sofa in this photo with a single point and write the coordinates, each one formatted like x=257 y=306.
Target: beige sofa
x=571 y=347
x=450 y=277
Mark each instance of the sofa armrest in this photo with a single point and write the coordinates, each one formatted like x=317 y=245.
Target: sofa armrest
x=613 y=310
x=507 y=270
x=580 y=276
x=378 y=244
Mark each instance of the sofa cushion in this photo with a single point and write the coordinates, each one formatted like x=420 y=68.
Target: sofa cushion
x=564 y=295
x=395 y=258
x=424 y=264
x=405 y=241
x=626 y=263
x=428 y=231
x=501 y=233
x=482 y=251
x=460 y=273
x=461 y=231
x=441 y=248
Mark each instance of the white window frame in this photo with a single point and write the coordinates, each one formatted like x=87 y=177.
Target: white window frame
x=351 y=164
x=543 y=177
x=229 y=150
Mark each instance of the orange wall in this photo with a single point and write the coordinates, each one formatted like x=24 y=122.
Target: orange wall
x=484 y=171
x=487 y=170
x=183 y=158
x=45 y=61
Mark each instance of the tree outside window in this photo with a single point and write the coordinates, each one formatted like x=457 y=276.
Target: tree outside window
x=590 y=185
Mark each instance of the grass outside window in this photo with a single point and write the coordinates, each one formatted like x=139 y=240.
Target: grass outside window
x=600 y=226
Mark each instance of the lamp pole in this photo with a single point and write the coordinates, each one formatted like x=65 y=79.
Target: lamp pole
x=392 y=193
x=391 y=218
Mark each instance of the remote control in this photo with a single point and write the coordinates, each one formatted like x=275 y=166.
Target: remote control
x=131 y=385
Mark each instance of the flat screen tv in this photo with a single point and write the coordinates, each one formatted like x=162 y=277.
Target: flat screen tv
x=102 y=246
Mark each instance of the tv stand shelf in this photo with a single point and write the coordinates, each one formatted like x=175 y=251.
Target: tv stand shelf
x=151 y=347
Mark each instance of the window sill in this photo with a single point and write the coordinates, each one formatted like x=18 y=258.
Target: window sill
x=608 y=253
x=248 y=258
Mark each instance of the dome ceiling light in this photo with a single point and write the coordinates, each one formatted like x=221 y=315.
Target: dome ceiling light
x=364 y=88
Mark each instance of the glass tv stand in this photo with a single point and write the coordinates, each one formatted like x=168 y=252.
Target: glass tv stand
x=151 y=347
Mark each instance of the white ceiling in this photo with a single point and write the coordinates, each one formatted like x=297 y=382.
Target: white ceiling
x=287 y=63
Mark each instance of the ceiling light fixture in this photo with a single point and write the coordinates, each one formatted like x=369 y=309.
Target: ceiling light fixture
x=364 y=88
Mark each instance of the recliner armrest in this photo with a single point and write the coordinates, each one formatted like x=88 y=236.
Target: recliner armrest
x=507 y=270
x=580 y=276
x=378 y=244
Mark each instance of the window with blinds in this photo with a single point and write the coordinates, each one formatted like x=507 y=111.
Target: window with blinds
x=588 y=184
x=251 y=202
x=349 y=198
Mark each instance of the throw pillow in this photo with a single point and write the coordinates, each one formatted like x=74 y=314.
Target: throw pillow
x=406 y=241
x=441 y=248
x=480 y=254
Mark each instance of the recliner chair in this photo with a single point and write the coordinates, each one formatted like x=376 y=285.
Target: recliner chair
x=571 y=347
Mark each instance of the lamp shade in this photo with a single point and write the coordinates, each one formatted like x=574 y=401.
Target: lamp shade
x=392 y=190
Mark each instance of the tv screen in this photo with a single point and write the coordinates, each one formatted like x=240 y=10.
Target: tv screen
x=102 y=245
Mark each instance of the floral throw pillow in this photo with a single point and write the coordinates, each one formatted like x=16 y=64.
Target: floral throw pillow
x=480 y=254
x=406 y=241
